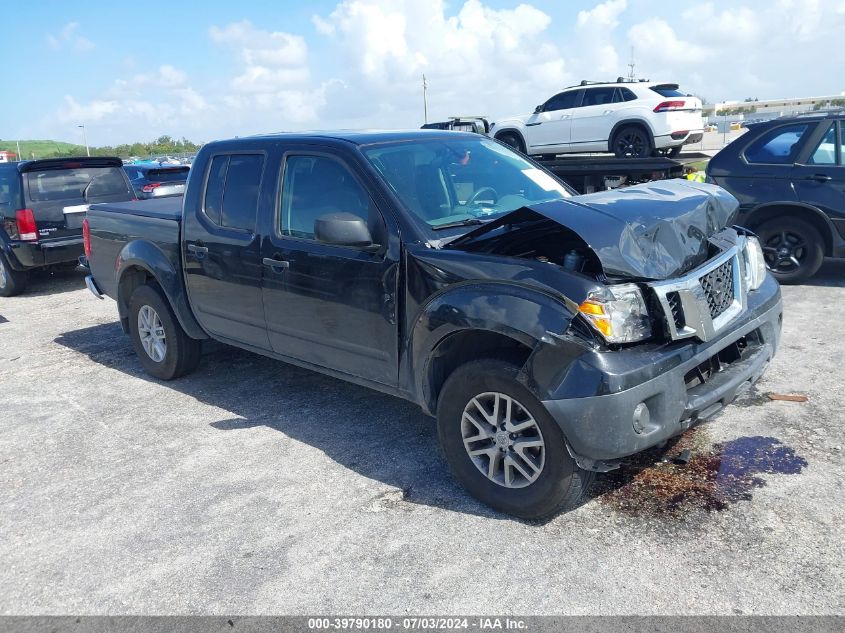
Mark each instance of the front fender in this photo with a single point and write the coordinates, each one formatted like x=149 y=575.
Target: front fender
x=146 y=256
x=523 y=314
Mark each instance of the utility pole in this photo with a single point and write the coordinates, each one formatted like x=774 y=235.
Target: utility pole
x=425 y=100
x=85 y=140
x=18 y=143
x=631 y=66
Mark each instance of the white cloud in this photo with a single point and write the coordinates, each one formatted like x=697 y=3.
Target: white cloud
x=604 y=15
x=69 y=38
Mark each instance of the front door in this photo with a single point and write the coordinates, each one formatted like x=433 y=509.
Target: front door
x=332 y=306
x=548 y=131
x=820 y=179
x=221 y=253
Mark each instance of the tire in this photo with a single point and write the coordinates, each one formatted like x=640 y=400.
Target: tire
x=178 y=353
x=512 y=140
x=557 y=486
x=786 y=237
x=12 y=282
x=632 y=141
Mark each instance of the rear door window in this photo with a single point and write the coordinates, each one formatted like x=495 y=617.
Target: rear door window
x=232 y=189
x=828 y=151
x=598 y=96
x=92 y=184
x=779 y=146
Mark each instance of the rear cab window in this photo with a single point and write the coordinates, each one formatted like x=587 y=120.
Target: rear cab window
x=779 y=146
x=232 y=190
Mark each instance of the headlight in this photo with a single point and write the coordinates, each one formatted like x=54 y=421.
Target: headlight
x=755 y=263
x=618 y=313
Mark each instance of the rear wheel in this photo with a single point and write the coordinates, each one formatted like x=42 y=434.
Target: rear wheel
x=632 y=142
x=162 y=346
x=509 y=138
x=12 y=282
x=793 y=249
x=503 y=445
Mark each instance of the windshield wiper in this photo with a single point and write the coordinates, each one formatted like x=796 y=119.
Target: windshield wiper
x=457 y=223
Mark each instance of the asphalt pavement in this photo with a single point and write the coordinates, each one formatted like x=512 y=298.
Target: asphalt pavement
x=254 y=487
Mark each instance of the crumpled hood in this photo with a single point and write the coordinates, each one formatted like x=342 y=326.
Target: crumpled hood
x=657 y=230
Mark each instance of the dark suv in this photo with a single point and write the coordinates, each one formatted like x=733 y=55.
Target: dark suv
x=789 y=177
x=42 y=204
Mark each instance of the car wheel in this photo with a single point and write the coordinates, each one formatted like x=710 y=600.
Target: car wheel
x=12 y=282
x=511 y=139
x=632 y=142
x=162 y=346
x=793 y=249
x=502 y=444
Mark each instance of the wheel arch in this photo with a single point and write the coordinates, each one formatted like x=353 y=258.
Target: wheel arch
x=468 y=323
x=800 y=211
x=140 y=263
x=512 y=130
x=641 y=123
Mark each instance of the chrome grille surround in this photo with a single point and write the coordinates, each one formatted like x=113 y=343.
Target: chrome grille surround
x=708 y=301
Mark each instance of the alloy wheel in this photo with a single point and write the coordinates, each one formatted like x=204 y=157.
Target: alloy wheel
x=785 y=251
x=151 y=333
x=503 y=440
x=631 y=144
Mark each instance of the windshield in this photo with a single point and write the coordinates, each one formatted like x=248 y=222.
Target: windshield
x=461 y=181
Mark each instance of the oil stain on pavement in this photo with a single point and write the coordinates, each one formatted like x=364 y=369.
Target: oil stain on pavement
x=695 y=474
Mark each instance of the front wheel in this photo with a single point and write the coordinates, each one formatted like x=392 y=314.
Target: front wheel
x=502 y=444
x=162 y=346
x=512 y=140
x=632 y=142
x=793 y=249
x=12 y=282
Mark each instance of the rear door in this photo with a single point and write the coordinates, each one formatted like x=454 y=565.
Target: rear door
x=548 y=131
x=332 y=306
x=593 y=121
x=60 y=191
x=221 y=247
x=819 y=174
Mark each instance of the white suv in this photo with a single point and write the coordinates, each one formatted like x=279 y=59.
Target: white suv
x=632 y=119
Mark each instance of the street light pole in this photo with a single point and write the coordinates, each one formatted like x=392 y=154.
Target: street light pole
x=85 y=140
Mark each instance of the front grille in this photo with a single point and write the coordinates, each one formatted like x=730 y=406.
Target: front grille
x=674 y=300
x=718 y=287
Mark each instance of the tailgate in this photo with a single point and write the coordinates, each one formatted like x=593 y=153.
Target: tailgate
x=60 y=192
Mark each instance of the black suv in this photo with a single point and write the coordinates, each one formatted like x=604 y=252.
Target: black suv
x=42 y=205
x=789 y=177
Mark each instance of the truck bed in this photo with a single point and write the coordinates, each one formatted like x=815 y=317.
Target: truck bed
x=163 y=208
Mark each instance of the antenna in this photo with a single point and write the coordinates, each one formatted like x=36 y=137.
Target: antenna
x=631 y=65
x=425 y=100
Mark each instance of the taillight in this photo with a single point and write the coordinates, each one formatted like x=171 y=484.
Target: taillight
x=25 y=220
x=666 y=106
x=86 y=238
x=149 y=188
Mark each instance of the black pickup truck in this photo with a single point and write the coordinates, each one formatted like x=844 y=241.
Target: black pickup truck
x=551 y=334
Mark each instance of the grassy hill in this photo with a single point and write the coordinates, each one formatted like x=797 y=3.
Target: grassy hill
x=43 y=149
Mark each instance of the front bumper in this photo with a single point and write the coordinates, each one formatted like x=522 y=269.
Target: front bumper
x=602 y=429
x=26 y=255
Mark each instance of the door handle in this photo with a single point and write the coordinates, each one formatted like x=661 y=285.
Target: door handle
x=606 y=112
x=819 y=178
x=276 y=265
x=198 y=251
x=565 y=116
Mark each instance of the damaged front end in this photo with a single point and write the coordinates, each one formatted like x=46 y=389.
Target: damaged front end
x=663 y=253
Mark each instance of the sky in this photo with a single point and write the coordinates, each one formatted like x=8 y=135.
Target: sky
x=214 y=69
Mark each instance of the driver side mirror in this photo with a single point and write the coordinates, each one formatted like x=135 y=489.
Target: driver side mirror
x=344 y=229
x=538 y=109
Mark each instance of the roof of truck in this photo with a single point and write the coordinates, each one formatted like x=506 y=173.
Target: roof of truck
x=364 y=137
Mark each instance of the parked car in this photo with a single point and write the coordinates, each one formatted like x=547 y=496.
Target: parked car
x=157 y=181
x=631 y=119
x=789 y=177
x=551 y=334
x=42 y=203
